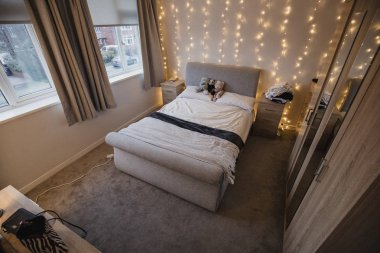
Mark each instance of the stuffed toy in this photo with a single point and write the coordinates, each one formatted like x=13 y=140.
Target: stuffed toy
x=211 y=86
x=203 y=85
x=218 y=91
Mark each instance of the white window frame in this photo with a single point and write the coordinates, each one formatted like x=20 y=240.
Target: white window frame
x=126 y=28
x=6 y=86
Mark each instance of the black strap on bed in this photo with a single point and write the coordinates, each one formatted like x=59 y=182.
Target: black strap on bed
x=226 y=135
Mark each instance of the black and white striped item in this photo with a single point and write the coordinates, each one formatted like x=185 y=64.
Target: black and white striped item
x=325 y=99
x=280 y=93
x=40 y=237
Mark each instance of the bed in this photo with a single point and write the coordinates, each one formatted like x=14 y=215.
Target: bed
x=190 y=146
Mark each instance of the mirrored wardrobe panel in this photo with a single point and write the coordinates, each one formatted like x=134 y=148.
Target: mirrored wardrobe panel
x=314 y=116
x=311 y=159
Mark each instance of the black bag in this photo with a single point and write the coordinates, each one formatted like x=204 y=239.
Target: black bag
x=34 y=232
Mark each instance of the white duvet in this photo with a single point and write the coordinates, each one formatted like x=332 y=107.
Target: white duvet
x=206 y=148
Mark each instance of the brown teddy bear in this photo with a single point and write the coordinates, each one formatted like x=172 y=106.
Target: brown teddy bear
x=218 y=90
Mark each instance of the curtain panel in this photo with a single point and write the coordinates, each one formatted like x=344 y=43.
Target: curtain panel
x=150 y=43
x=67 y=37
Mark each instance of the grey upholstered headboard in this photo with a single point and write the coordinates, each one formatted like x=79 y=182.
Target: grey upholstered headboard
x=241 y=80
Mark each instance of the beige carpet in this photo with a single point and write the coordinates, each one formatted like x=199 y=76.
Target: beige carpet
x=124 y=214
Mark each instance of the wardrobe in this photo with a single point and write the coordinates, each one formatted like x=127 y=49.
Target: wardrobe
x=333 y=175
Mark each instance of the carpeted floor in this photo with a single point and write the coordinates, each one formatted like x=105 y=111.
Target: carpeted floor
x=124 y=214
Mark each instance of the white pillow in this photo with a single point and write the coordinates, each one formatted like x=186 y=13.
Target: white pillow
x=190 y=92
x=244 y=102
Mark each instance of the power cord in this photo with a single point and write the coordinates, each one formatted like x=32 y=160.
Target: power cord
x=109 y=158
x=63 y=221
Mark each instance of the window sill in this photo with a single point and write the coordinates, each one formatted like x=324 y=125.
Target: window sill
x=129 y=75
x=23 y=110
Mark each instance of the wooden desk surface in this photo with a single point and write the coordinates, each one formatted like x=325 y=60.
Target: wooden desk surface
x=11 y=200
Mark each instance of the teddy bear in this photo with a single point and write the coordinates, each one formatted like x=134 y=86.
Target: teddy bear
x=218 y=90
x=211 y=86
x=203 y=85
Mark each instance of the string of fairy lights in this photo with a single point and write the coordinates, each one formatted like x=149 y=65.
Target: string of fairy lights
x=240 y=20
x=206 y=23
x=175 y=14
x=263 y=24
x=232 y=21
x=284 y=121
x=189 y=11
x=300 y=59
x=223 y=16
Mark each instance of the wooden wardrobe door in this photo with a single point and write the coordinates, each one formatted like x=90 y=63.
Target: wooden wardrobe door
x=351 y=170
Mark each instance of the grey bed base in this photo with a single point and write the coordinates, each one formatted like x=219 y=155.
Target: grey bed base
x=206 y=195
x=179 y=181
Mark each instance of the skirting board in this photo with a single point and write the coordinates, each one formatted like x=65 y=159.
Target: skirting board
x=83 y=152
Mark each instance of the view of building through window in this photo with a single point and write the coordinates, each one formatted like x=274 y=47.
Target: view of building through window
x=120 y=48
x=20 y=61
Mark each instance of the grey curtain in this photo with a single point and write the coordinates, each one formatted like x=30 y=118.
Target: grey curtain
x=66 y=34
x=150 y=43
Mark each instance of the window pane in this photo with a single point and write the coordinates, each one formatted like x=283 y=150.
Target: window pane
x=131 y=46
x=120 y=48
x=109 y=48
x=20 y=61
x=3 y=101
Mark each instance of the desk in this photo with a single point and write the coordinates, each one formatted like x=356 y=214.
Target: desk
x=11 y=200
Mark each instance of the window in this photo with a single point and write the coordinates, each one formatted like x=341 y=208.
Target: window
x=121 y=54
x=23 y=71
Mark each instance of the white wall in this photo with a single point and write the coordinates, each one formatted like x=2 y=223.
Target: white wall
x=33 y=145
x=270 y=35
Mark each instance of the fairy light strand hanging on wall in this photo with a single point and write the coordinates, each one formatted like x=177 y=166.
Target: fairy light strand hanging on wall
x=175 y=12
x=189 y=11
x=283 y=55
x=222 y=43
x=263 y=24
x=283 y=27
x=312 y=29
x=240 y=20
x=285 y=122
x=206 y=23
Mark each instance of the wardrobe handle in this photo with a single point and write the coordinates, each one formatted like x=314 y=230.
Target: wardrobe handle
x=307 y=115
x=320 y=169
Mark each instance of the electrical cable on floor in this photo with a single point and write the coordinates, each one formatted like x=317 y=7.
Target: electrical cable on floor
x=63 y=221
x=109 y=158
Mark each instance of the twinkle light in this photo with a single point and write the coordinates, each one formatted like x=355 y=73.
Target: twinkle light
x=288 y=9
x=240 y=19
x=189 y=6
x=377 y=39
x=263 y=23
x=205 y=30
x=175 y=14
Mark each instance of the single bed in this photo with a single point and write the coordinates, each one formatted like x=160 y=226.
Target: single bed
x=189 y=147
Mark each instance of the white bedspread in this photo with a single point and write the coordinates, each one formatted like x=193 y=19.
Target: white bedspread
x=206 y=148
x=211 y=114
